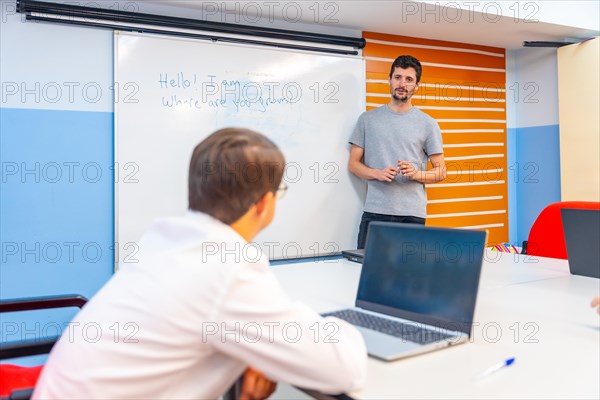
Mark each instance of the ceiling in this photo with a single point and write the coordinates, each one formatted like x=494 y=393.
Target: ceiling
x=404 y=18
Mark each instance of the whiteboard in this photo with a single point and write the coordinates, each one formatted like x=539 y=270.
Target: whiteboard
x=171 y=93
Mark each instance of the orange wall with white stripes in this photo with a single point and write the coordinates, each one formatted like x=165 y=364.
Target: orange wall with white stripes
x=463 y=87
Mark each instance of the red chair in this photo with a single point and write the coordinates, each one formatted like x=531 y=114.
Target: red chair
x=17 y=382
x=546 y=237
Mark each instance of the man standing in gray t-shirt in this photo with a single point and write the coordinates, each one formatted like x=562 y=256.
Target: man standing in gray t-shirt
x=391 y=147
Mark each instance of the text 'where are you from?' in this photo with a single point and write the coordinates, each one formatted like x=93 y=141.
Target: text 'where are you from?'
x=190 y=91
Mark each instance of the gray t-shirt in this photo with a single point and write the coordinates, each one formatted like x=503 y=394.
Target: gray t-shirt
x=387 y=137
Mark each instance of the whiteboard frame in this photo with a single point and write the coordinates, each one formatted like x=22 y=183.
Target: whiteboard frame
x=361 y=99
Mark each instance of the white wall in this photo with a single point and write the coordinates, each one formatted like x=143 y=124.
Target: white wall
x=54 y=67
x=531 y=87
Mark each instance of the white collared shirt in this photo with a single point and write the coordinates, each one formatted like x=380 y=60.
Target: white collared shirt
x=198 y=307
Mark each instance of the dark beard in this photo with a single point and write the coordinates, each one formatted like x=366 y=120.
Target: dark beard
x=403 y=97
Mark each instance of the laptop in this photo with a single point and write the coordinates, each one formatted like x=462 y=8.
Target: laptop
x=354 y=255
x=417 y=289
x=582 y=235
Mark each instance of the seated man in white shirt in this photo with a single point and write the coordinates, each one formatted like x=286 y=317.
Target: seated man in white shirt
x=201 y=306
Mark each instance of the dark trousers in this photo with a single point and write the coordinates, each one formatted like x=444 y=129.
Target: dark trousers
x=368 y=217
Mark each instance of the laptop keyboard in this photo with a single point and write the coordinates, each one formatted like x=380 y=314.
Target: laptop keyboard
x=411 y=332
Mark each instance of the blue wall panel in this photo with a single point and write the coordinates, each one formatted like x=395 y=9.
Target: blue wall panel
x=56 y=211
x=511 y=157
x=536 y=174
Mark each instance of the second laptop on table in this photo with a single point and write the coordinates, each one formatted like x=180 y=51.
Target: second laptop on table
x=582 y=236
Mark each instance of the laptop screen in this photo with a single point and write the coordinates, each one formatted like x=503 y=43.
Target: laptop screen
x=424 y=274
x=582 y=235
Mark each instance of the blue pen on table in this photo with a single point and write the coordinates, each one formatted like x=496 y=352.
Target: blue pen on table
x=495 y=368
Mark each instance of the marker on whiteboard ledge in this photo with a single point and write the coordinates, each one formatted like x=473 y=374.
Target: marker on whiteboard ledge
x=495 y=367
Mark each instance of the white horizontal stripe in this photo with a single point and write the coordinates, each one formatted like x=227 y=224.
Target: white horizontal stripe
x=438 y=85
x=480 y=226
x=463 y=67
x=472 y=130
x=474 y=157
x=451 y=66
x=439 y=185
x=449 y=86
x=466 y=214
x=469 y=99
x=490 y=121
x=375 y=104
x=460 y=108
x=474 y=145
x=423 y=46
x=386 y=95
x=462 y=199
x=477 y=171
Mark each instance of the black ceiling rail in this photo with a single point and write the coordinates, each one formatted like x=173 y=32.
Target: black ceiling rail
x=72 y=14
x=546 y=44
x=193 y=35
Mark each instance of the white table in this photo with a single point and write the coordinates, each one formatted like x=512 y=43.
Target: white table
x=528 y=307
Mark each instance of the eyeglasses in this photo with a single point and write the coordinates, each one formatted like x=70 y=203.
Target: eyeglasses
x=281 y=190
